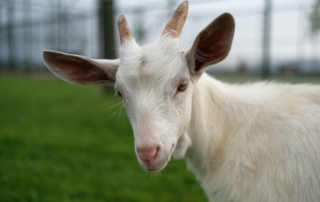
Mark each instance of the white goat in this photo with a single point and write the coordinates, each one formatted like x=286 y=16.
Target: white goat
x=250 y=143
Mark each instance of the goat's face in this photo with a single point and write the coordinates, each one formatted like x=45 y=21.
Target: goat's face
x=155 y=82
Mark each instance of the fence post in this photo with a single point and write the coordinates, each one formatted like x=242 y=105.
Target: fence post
x=27 y=38
x=266 y=40
x=106 y=29
x=10 y=36
x=106 y=32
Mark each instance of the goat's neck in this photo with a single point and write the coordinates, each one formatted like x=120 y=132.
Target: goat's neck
x=210 y=125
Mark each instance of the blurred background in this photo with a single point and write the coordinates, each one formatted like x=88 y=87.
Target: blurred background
x=62 y=142
x=280 y=36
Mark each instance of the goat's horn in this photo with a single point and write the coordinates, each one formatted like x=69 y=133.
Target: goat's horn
x=124 y=30
x=175 y=25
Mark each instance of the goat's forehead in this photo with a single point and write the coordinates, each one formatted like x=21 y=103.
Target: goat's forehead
x=162 y=59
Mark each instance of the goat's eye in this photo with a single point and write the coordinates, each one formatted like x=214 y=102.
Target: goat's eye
x=118 y=92
x=182 y=86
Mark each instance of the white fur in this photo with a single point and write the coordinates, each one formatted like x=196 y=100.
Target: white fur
x=256 y=142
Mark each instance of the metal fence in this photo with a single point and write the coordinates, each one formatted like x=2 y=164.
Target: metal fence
x=27 y=27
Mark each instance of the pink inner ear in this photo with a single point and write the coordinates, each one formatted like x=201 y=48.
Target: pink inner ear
x=214 y=42
x=76 y=69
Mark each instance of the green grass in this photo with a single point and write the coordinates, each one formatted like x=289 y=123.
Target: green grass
x=59 y=142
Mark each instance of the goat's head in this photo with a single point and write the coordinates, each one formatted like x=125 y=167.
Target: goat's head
x=155 y=82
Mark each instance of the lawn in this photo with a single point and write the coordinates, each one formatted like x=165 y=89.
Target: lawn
x=62 y=142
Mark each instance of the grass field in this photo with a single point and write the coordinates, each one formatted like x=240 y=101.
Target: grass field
x=60 y=142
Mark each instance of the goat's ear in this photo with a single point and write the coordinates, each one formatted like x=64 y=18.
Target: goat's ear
x=79 y=69
x=212 y=44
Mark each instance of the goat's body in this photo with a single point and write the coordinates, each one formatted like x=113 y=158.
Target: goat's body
x=258 y=142
x=250 y=143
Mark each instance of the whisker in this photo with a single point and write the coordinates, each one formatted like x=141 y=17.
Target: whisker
x=119 y=115
x=115 y=105
x=114 y=112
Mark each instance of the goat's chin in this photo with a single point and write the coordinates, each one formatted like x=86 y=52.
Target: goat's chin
x=156 y=166
x=159 y=168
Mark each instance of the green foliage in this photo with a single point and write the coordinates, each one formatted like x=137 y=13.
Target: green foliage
x=60 y=142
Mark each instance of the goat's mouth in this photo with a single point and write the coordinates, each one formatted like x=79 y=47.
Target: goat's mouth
x=161 y=165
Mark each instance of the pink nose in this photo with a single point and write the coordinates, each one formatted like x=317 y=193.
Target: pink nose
x=148 y=153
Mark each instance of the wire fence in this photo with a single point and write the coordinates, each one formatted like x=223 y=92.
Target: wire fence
x=27 y=27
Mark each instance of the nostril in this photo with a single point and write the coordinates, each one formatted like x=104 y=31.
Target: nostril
x=148 y=153
x=157 y=151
